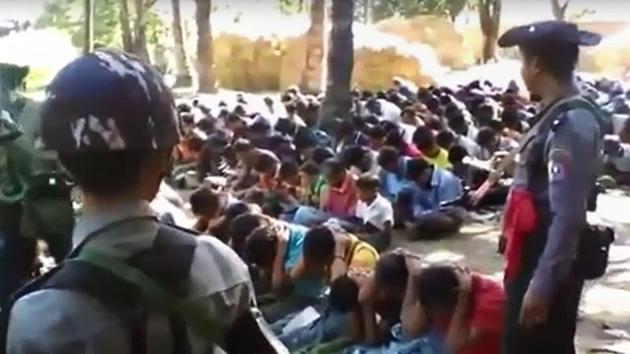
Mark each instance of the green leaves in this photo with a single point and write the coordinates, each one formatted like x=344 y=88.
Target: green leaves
x=68 y=16
x=382 y=9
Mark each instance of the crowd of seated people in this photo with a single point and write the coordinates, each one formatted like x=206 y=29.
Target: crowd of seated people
x=311 y=205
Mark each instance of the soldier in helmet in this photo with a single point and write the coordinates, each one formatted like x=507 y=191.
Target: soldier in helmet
x=130 y=284
x=34 y=196
x=555 y=173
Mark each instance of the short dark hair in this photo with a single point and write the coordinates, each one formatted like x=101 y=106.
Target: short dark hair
x=456 y=154
x=416 y=167
x=394 y=138
x=437 y=288
x=204 y=200
x=334 y=166
x=485 y=136
x=457 y=121
x=368 y=182
x=187 y=118
x=241 y=227
x=321 y=154
x=234 y=118
x=445 y=139
x=376 y=132
x=435 y=123
x=105 y=172
x=409 y=111
x=260 y=247
x=484 y=113
x=310 y=168
x=266 y=162
x=319 y=244
x=387 y=155
x=510 y=118
x=287 y=170
x=423 y=138
x=558 y=58
x=242 y=145
x=344 y=294
x=358 y=156
x=232 y=211
x=391 y=271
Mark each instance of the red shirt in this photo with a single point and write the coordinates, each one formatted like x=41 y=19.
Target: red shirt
x=486 y=316
x=411 y=151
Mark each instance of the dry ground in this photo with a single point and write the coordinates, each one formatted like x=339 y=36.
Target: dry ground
x=604 y=325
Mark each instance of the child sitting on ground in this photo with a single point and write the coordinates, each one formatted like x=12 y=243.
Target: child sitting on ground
x=374 y=212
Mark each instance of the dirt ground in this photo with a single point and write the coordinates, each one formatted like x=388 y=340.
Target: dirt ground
x=604 y=324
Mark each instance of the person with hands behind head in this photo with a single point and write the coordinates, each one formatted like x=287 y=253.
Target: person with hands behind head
x=382 y=295
x=464 y=307
x=297 y=267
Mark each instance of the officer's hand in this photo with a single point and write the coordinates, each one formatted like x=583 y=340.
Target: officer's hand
x=534 y=310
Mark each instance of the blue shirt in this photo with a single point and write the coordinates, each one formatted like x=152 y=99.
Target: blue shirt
x=445 y=186
x=294 y=246
x=393 y=182
x=306 y=287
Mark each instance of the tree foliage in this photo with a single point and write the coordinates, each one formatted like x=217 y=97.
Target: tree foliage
x=382 y=9
x=67 y=16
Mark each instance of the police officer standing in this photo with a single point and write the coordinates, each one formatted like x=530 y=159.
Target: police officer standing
x=555 y=173
x=130 y=284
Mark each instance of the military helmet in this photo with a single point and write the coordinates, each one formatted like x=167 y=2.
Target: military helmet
x=108 y=101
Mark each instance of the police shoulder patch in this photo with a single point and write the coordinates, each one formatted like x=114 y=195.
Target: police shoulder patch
x=559 y=163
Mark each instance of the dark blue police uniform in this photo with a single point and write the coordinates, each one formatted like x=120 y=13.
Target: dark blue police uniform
x=558 y=168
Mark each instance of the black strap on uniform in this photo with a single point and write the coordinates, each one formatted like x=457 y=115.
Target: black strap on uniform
x=168 y=262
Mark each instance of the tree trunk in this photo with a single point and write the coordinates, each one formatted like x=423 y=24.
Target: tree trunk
x=338 y=101
x=182 y=75
x=205 y=55
x=140 y=31
x=127 y=37
x=88 y=45
x=559 y=11
x=312 y=73
x=490 y=20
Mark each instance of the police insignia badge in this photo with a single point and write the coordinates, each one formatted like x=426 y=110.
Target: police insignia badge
x=558 y=164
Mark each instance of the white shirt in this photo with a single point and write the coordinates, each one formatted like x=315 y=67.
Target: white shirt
x=391 y=112
x=470 y=145
x=378 y=213
x=408 y=130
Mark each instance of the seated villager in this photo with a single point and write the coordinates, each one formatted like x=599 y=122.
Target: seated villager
x=256 y=168
x=206 y=205
x=296 y=268
x=465 y=308
x=374 y=214
x=338 y=197
x=424 y=139
x=421 y=204
x=617 y=150
x=350 y=256
x=381 y=297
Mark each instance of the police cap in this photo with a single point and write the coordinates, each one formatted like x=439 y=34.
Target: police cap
x=548 y=31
